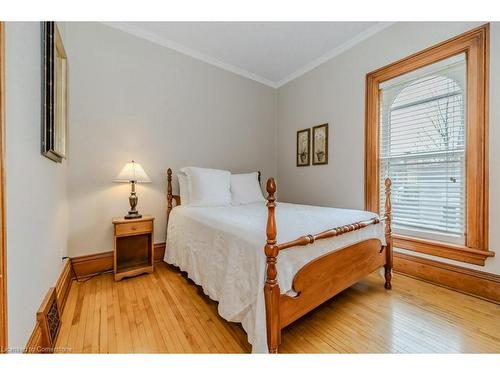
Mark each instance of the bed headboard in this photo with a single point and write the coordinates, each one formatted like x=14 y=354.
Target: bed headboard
x=177 y=198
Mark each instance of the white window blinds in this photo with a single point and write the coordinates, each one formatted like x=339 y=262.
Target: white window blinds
x=422 y=149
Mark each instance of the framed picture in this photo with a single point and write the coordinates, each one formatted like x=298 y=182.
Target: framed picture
x=320 y=144
x=54 y=94
x=303 y=148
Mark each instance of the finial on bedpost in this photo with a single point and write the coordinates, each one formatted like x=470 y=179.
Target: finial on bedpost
x=271 y=288
x=271 y=222
x=388 y=233
x=169 y=192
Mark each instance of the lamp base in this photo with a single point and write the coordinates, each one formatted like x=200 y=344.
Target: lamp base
x=133 y=215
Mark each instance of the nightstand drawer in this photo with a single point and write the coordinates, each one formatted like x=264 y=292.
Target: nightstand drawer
x=133 y=228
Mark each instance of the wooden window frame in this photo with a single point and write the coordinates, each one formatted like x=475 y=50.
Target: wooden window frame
x=475 y=45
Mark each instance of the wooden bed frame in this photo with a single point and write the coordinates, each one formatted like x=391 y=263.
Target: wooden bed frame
x=323 y=277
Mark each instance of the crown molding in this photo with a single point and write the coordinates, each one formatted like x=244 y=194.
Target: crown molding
x=335 y=52
x=154 y=38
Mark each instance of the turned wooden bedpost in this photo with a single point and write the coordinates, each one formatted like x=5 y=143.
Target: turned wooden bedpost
x=388 y=234
x=272 y=289
x=169 y=192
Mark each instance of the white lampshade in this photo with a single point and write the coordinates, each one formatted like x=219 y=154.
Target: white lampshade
x=132 y=172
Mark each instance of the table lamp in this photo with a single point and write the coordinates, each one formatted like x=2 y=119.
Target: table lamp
x=134 y=173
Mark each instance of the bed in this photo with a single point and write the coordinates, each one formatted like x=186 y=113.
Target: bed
x=267 y=279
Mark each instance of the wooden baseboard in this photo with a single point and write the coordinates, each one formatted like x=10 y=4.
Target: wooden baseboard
x=477 y=283
x=63 y=285
x=35 y=343
x=93 y=264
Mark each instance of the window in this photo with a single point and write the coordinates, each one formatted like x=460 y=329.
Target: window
x=422 y=149
x=426 y=128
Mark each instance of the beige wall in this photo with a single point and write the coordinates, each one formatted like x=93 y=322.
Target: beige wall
x=36 y=188
x=131 y=99
x=335 y=93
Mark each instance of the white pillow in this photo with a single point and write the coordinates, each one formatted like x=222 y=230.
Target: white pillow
x=245 y=189
x=183 y=188
x=208 y=187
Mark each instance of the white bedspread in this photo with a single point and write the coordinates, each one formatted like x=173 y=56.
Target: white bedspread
x=222 y=250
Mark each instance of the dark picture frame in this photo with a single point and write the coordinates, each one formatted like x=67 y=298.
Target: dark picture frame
x=303 y=154
x=54 y=94
x=320 y=144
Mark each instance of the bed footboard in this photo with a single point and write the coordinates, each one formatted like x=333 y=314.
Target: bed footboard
x=324 y=277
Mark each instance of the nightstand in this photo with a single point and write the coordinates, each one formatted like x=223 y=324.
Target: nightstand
x=134 y=251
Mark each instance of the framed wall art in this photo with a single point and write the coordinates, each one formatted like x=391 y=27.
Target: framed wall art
x=303 y=148
x=320 y=144
x=54 y=94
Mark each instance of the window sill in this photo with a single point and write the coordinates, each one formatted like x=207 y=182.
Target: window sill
x=443 y=250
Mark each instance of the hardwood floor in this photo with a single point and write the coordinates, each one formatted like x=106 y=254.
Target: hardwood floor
x=166 y=312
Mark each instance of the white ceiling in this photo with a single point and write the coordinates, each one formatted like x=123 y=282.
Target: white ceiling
x=272 y=53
